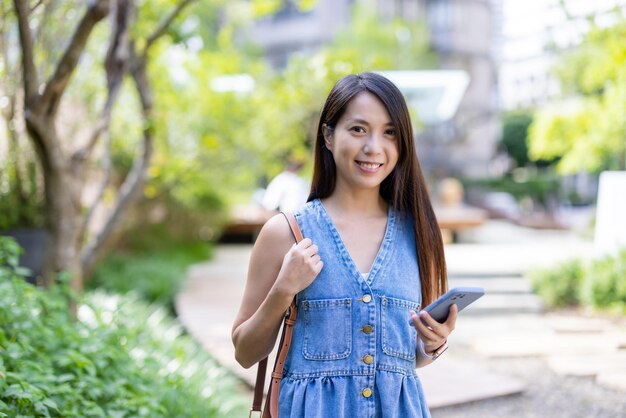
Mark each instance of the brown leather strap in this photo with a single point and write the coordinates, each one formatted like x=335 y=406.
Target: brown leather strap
x=293 y=224
x=271 y=403
x=259 y=385
x=277 y=374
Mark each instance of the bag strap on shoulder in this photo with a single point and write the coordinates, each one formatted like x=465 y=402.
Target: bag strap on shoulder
x=271 y=404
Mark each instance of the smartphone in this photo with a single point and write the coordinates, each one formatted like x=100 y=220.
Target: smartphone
x=461 y=296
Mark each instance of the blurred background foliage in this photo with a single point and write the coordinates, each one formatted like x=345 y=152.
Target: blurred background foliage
x=214 y=143
x=514 y=136
x=584 y=131
x=597 y=284
x=533 y=183
x=213 y=147
x=217 y=146
x=589 y=130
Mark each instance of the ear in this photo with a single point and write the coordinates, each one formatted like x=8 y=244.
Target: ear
x=328 y=136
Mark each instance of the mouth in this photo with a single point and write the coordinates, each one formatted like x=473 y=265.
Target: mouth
x=369 y=166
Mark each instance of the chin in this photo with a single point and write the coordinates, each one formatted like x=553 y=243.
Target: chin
x=368 y=184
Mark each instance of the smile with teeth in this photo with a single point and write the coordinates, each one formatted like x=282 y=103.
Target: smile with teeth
x=369 y=166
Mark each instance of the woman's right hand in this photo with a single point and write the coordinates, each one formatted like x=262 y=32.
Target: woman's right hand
x=300 y=267
x=278 y=270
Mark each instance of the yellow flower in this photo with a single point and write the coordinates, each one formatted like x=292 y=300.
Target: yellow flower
x=150 y=191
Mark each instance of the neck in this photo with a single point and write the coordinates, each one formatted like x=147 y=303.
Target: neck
x=362 y=203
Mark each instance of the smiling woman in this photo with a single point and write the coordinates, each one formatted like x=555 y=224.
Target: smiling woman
x=372 y=256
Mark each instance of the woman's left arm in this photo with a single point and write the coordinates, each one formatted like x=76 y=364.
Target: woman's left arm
x=432 y=336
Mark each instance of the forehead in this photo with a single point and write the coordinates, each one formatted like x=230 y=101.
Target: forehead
x=367 y=107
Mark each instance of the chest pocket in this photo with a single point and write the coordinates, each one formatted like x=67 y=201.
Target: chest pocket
x=327 y=329
x=399 y=338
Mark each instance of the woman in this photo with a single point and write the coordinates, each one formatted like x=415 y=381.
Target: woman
x=372 y=256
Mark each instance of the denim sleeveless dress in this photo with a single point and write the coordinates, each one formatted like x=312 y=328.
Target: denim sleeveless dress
x=353 y=350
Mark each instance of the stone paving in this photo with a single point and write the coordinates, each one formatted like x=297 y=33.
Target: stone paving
x=508 y=322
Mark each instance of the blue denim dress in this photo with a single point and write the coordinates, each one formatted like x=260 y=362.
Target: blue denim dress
x=353 y=350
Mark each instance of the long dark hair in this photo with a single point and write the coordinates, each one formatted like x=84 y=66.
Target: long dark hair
x=404 y=189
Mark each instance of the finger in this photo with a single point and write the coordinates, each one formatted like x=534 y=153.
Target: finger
x=315 y=259
x=305 y=243
x=453 y=314
x=414 y=318
x=318 y=267
x=437 y=328
x=428 y=320
x=311 y=251
x=425 y=333
x=429 y=338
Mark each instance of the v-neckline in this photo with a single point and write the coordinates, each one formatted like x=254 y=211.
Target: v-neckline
x=383 y=249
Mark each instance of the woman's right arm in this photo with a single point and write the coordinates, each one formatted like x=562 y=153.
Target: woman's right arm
x=278 y=270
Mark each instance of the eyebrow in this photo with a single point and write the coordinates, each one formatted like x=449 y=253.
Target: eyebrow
x=364 y=122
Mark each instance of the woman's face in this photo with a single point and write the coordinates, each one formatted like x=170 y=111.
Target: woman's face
x=364 y=143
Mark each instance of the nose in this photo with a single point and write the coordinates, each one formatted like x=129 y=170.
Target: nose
x=373 y=144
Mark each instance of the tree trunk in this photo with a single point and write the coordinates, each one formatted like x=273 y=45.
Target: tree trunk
x=63 y=221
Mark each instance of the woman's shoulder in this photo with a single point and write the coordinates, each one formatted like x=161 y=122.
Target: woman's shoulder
x=274 y=240
x=276 y=230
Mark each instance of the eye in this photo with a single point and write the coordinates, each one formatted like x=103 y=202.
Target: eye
x=390 y=132
x=358 y=129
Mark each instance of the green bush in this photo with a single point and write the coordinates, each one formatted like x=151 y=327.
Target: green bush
x=21 y=193
x=121 y=358
x=150 y=262
x=600 y=283
x=156 y=276
x=560 y=286
x=9 y=259
x=514 y=136
x=605 y=283
x=540 y=186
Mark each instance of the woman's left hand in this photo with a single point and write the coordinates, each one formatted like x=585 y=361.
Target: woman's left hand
x=432 y=333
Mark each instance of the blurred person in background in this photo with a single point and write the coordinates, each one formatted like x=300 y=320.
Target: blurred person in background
x=288 y=191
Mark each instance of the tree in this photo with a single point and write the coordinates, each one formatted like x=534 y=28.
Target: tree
x=21 y=198
x=589 y=129
x=205 y=135
x=514 y=136
x=64 y=160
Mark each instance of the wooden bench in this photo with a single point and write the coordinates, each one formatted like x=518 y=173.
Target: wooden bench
x=457 y=218
x=246 y=223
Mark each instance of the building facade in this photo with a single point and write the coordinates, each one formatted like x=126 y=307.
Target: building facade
x=534 y=33
x=462 y=33
x=292 y=31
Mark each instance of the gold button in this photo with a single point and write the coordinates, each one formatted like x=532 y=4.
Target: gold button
x=367 y=329
x=368 y=359
x=367 y=392
x=367 y=298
